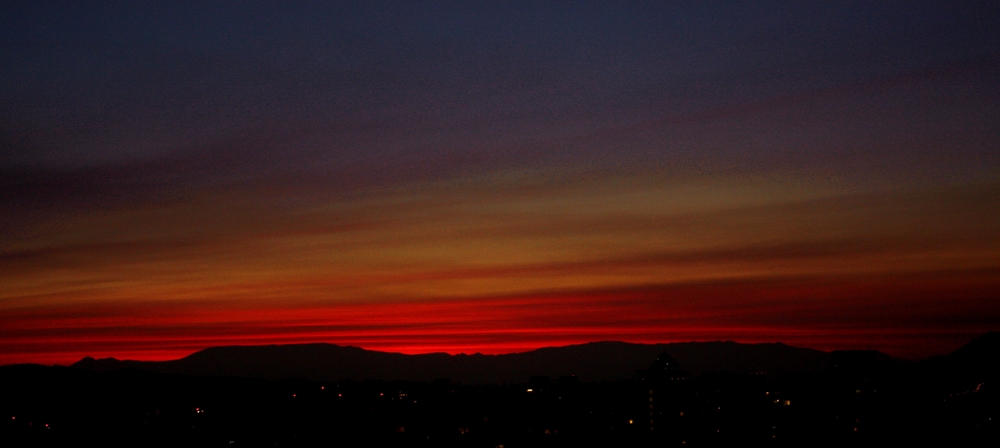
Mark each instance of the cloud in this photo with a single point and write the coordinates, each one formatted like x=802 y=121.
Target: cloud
x=345 y=159
x=846 y=311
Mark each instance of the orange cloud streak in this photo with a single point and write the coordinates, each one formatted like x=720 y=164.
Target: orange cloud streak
x=495 y=269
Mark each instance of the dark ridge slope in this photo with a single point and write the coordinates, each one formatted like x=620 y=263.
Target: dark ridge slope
x=597 y=361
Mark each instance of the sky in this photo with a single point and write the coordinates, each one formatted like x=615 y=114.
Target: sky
x=496 y=177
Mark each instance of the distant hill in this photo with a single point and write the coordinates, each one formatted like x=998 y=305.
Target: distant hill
x=971 y=363
x=981 y=352
x=596 y=361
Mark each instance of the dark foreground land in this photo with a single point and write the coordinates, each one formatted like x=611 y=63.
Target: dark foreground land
x=857 y=399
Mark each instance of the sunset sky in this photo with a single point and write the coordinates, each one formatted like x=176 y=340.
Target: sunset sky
x=496 y=177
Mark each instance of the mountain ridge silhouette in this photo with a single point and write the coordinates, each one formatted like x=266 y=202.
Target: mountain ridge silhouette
x=593 y=361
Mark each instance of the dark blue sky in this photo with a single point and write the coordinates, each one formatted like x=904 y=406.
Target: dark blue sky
x=87 y=85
